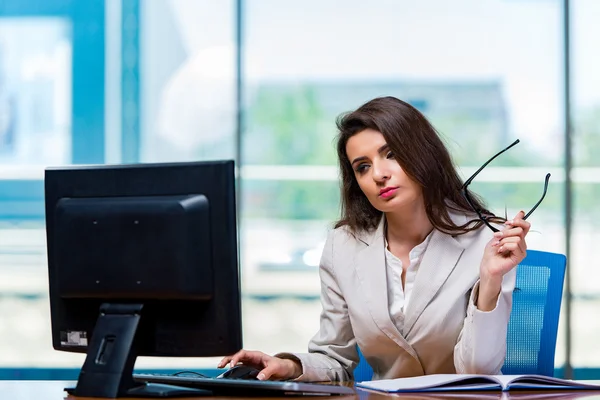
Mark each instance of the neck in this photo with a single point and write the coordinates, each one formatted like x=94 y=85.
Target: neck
x=409 y=227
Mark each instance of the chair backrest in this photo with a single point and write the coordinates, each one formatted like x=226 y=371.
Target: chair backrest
x=533 y=324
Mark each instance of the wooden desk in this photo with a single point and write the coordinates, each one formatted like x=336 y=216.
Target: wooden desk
x=53 y=390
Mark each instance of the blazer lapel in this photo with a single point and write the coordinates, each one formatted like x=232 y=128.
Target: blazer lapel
x=370 y=268
x=440 y=259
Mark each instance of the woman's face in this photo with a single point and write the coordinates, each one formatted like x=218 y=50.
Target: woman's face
x=379 y=175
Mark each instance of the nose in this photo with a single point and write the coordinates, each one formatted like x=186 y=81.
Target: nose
x=380 y=173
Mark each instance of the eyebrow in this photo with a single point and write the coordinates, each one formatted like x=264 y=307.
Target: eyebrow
x=361 y=158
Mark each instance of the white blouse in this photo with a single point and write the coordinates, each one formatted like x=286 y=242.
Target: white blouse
x=398 y=296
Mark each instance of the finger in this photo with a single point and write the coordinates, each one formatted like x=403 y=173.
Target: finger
x=511 y=239
x=266 y=373
x=519 y=221
x=520 y=214
x=515 y=239
x=523 y=247
x=518 y=231
x=238 y=357
x=510 y=248
x=224 y=361
x=525 y=225
x=273 y=371
x=521 y=224
x=245 y=357
x=252 y=358
x=512 y=231
x=507 y=247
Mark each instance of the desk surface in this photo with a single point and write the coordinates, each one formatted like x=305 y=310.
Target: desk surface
x=53 y=390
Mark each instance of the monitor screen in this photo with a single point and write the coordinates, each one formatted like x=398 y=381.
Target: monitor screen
x=142 y=260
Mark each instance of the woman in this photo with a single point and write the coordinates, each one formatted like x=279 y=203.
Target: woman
x=409 y=274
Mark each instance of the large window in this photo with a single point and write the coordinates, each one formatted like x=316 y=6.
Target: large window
x=586 y=140
x=35 y=91
x=51 y=113
x=187 y=70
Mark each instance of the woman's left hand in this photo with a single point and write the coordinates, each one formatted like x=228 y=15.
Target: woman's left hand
x=504 y=252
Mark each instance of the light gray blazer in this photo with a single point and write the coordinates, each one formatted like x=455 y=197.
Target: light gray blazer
x=442 y=331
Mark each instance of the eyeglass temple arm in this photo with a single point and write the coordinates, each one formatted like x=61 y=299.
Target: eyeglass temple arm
x=468 y=182
x=479 y=214
x=540 y=200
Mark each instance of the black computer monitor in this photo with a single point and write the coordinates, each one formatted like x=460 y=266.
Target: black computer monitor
x=142 y=261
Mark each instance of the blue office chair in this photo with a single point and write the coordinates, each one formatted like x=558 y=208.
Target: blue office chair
x=533 y=324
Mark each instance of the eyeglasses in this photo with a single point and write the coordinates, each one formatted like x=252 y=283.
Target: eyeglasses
x=485 y=218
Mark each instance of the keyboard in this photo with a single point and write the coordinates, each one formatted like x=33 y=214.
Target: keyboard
x=237 y=387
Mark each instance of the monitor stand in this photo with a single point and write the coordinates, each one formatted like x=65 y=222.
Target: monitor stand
x=108 y=367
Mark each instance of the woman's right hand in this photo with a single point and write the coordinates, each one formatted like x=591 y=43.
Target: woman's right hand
x=273 y=368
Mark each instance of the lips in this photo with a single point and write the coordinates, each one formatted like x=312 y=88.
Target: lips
x=388 y=191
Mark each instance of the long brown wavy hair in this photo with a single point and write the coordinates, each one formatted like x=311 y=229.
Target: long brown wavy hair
x=422 y=155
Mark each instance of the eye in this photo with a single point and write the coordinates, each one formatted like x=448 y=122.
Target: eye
x=390 y=155
x=361 y=168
